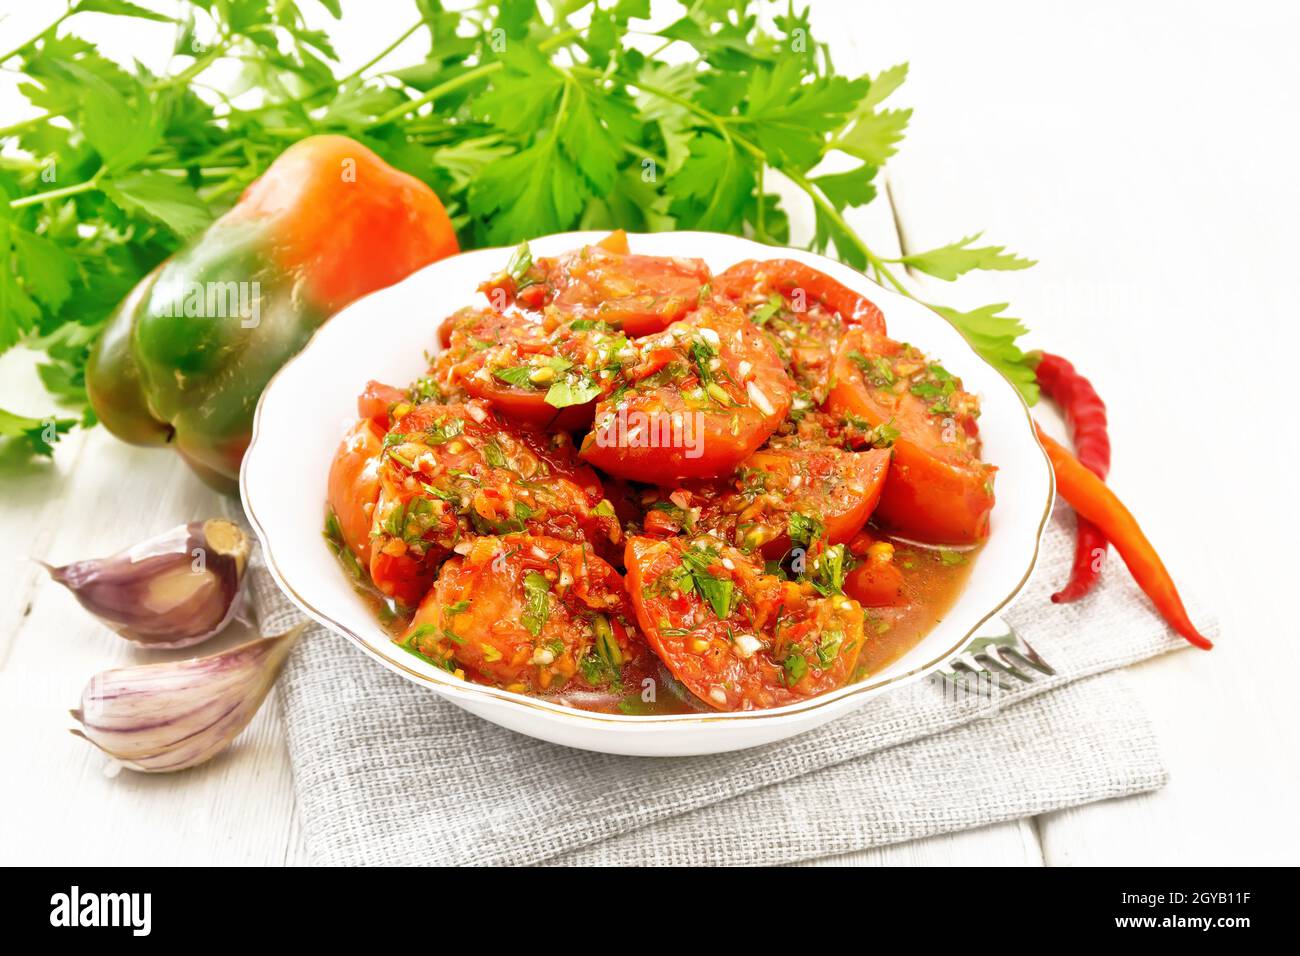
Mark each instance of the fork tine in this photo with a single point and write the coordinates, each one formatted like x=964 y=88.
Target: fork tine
x=984 y=675
x=1025 y=652
x=959 y=680
x=998 y=657
x=998 y=672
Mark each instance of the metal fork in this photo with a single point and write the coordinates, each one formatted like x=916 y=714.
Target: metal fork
x=996 y=657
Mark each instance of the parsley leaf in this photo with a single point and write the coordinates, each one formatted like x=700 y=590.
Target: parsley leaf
x=957 y=258
x=803 y=529
x=40 y=434
x=537 y=602
x=875 y=136
x=993 y=336
x=566 y=392
x=719 y=592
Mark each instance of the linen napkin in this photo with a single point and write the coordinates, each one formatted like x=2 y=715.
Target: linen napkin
x=386 y=772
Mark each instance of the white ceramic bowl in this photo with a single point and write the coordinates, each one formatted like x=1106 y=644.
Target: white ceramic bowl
x=311 y=402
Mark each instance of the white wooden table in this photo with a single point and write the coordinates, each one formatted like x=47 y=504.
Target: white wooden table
x=1147 y=158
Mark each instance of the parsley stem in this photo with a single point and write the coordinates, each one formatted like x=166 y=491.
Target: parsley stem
x=325 y=88
x=194 y=69
x=379 y=56
x=469 y=76
x=640 y=152
x=22 y=46
x=21 y=125
x=62 y=192
x=442 y=89
x=834 y=216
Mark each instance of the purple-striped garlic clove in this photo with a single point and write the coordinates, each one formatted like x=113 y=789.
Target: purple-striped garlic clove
x=173 y=590
x=156 y=718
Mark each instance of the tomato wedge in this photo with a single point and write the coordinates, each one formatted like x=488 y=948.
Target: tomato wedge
x=638 y=294
x=736 y=637
x=528 y=613
x=877 y=581
x=379 y=401
x=703 y=395
x=779 y=498
x=354 y=485
x=546 y=373
x=801 y=285
x=452 y=472
x=938 y=489
x=804 y=322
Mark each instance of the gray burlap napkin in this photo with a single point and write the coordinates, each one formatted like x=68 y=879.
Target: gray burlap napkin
x=389 y=773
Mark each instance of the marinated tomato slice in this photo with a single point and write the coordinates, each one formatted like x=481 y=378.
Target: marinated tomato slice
x=354 y=486
x=529 y=613
x=938 y=489
x=638 y=294
x=452 y=472
x=379 y=401
x=801 y=285
x=779 y=499
x=700 y=397
x=805 y=329
x=542 y=372
x=737 y=637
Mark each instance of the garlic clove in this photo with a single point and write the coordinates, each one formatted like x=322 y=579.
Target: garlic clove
x=156 y=718
x=173 y=590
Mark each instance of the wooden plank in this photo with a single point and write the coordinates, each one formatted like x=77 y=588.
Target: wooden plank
x=97 y=497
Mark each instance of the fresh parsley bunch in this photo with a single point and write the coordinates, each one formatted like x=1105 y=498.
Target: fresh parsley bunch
x=526 y=121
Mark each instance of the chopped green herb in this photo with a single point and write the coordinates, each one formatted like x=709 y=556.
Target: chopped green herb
x=795 y=666
x=590 y=325
x=606 y=644
x=493 y=455
x=885 y=434
x=702 y=355
x=537 y=602
x=803 y=529
x=565 y=393
x=768 y=309
x=444 y=430
x=448 y=665
x=828 y=648
x=519 y=264
x=520 y=376
x=719 y=592
x=829 y=569
x=334 y=537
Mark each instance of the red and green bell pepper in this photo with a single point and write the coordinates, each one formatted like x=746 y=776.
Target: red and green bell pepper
x=185 y=356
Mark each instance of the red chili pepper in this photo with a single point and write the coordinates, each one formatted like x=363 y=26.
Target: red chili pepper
x=1090 y=497
x=1085 y=413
